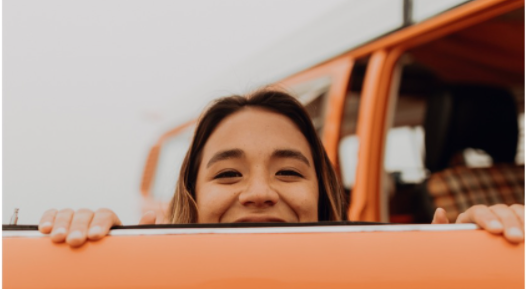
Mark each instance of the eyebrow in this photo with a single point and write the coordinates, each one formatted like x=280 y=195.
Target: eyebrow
x=224 y=155
x=237 y=153
x=288 y=153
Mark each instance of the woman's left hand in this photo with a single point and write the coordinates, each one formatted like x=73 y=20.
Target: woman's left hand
x=497 y=219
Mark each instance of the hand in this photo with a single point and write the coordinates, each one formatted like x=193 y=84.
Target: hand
x=497 y=219
x=76 y=227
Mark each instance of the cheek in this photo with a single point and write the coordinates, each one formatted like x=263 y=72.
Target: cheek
x=213 y=201
x=311 y=205
x=303 y=200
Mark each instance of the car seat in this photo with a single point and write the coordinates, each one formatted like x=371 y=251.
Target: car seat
x=477 y=117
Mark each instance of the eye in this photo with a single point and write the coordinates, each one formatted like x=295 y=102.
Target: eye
x=228 y=174
x=289 y=173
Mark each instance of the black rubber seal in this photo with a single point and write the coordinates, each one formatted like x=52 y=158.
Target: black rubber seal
x=221 y=225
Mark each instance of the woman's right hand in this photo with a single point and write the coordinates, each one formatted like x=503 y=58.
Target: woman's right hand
x=76 y=227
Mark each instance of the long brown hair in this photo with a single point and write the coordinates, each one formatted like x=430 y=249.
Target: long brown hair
x=183 y=208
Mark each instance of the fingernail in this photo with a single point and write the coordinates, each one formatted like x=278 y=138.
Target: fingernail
x=95 y=231
x=46 y=225
x=495 y=225
x=515 y=232
x=75 y=235
x=59 y=231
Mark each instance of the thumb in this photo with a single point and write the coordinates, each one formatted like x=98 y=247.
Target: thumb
x=148 y=218
x=440 y=217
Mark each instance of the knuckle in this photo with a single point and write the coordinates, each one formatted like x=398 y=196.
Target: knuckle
x=517 y=207
x=84 y=211
x=481 y=211
x=105 y=212
x=499 y=207
x=504 y=213
x=66 y=211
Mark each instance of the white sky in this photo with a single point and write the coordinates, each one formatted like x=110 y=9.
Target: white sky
x=88 y=87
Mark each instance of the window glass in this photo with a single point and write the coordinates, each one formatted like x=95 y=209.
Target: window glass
x=519 y=159
x=349 y=159
x=404 y=150
x=313 y=95
x=423 y=9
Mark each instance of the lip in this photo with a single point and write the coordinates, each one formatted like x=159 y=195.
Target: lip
x=259 y=219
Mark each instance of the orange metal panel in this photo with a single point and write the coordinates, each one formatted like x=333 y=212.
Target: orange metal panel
x=334 y=112
x=453 y=259
x=365 y=199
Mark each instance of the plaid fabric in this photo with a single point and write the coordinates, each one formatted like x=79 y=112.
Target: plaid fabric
x=458 y=188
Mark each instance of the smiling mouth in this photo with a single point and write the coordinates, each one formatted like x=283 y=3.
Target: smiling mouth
x=262 y=219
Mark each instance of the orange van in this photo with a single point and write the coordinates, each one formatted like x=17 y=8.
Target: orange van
x=430 y=114
x=387 y=114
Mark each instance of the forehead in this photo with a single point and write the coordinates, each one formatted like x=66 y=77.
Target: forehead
x=256 y=129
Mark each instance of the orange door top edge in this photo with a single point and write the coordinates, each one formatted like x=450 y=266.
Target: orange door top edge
x=282 y=260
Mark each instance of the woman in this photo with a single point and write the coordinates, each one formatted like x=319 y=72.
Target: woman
x=257 y=159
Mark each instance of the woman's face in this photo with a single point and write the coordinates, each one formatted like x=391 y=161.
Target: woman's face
x=256 y=167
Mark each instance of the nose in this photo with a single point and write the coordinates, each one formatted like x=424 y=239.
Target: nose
x=259 y=193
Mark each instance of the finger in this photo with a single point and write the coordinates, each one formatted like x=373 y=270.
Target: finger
x=61 y=225
x=46 y=222
x=482 y=216
x=102 y=221
x=79 y=227
x=440 y=217
x=519 y=211
x=148 y=218
x=513 y=230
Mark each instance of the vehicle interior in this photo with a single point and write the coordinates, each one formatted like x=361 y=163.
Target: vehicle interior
x=456 y=137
